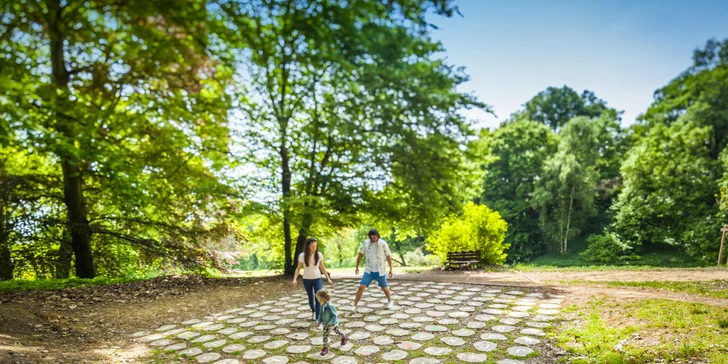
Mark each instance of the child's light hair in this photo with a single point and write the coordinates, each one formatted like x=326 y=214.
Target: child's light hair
x=323 y=295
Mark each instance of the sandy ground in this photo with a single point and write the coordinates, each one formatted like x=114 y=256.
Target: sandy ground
x=92 y=325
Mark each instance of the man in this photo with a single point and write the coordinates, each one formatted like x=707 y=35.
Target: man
x=377 y=251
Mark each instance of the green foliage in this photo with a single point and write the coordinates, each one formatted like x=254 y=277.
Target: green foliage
x=518 y=151
x=478 y=228
x=607 y=249
x=418 y=258
x=53 y=284
x=565 y=193
x=556 y=106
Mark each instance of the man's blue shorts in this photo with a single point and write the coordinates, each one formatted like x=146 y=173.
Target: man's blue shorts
x=367 y=279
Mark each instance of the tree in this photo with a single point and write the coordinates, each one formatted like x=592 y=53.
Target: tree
x=518 y=151
x=477 y=228
x=336 y=93
x=129 y=105
x=556 y=106
x=566 y=191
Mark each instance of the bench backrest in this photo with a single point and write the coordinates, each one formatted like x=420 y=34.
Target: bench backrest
x=466 y=255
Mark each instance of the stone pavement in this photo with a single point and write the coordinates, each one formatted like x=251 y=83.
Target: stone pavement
x=431 y=323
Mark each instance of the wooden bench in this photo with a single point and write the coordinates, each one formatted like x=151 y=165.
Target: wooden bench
x=464 y=259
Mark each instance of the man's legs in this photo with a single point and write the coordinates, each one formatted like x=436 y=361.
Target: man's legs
x=358 y=294
x=366 y=279
x=387 y=293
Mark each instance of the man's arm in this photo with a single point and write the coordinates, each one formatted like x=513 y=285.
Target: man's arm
x=389 y=260
x=358 y=260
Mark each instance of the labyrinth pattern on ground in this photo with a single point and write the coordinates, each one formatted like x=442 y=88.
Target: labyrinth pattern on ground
x=432 y=322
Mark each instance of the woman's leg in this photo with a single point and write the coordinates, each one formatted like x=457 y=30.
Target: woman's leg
x=308 y=284
x=317 y=285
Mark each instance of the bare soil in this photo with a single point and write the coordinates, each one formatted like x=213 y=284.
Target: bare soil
x=93 y=324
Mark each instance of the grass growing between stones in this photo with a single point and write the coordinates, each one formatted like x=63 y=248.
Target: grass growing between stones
x=641 y=331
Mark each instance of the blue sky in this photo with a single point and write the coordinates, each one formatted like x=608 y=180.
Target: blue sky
x=622 y=50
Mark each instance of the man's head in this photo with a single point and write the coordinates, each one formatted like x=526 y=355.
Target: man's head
x=373 y=235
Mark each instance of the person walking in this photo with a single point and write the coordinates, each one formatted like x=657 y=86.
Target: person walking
x=312 y=262
x=378 y=254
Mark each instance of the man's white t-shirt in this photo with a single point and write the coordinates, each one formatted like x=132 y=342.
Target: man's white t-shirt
x=311 y=271
x=372 y=263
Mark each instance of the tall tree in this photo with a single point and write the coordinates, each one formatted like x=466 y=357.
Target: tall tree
x=556 y=106
x=337 y=90
x=566 y=190
x=518 y=152
x=116 y=94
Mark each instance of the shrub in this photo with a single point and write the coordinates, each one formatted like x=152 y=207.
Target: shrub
x=418 y=258
x=478 y=228
x=607 y=249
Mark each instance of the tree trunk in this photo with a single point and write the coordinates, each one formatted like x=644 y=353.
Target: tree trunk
x=6 y=261
x=565 y=247
x=303 y=231
x=286 y=192
x=65 y=254
x=77 y=215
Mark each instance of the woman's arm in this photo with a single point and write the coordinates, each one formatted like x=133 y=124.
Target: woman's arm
x=323 y=270
x=295 y=275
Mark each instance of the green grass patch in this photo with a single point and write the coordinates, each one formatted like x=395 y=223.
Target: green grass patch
x=51 y=284
x=714 y=288
x=646 y=331
x=663 y=258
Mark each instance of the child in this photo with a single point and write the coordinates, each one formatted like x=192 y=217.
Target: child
x=328 y=317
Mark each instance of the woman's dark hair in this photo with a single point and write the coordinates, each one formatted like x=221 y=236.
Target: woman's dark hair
x=374 y=232
x=307 y=252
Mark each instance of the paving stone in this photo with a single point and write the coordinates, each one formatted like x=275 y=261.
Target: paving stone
x=228 y=361
x=240 y=335
x=162 y=342
x=355 y=324
x=249 y=323
x=498 y=306
x=204 y=338
x=412 y=311
x=388 y=321
x=253 y=354
x=493 y=336
x=472 y=357
x=233 y=348
x=359 y=335
x=423 y=319
x=521 y=308
x=437 y=351
x=485 y=345
x=410 y=325
x=228 y=331
x=509 y=321
x=494 y=311
x=453 y=341
x=372 y=318
x=207 y=357
x=278 y=359
x=299 y=349
x=175 y=347
x=214 y=344
x=520 y=351
x=435 y=328
x=548 y=312
x=518 y=314
x=190 y=352
x=298 y=336
x=236 y=320
x=485 y=317
x=317 y=341
x=422 y=336
x=366 y=350
x=549 y=306
x=424 y=361
x=476 y=325
x=394 y=355
x=535 y=332
x=448 y=321
x=409 y=345
x=458 y=314
x=275 y=344
x=540 y=325
x=153 y=337
x=166 y=328
x=463 y=332
x=383 y=340
x=264 y=327
x=202 y=324
x=301 y=324
x=374 y=327
x=503 y=328
x=398 y=332
x=280 y=331
x=258 y=339
x=191 y=322
x=543 y=318
x=344 y=360
x=139 y=333
x=435 y=313
x=510 y=361
x=527 y=340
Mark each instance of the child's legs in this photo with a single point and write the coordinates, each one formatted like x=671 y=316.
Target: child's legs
x=308 y=284
x=318 y=284
x=326 y=336
x=338 y=331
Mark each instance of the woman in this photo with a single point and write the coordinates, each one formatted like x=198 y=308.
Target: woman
x=312 y=263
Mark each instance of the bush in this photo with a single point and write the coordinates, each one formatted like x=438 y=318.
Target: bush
x=418 y=258
x=607 y=249
x=478 y=228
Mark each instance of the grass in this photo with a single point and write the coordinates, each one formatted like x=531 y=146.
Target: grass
x=645 y=331
x=574 y=262
x=715 y=288
x=51 y=284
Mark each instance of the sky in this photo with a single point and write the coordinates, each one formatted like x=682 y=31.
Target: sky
x=623 y=50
